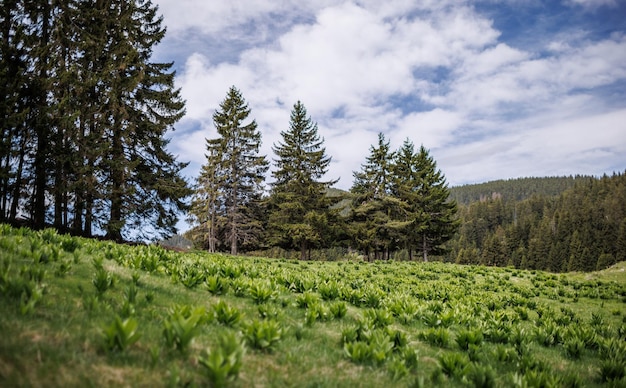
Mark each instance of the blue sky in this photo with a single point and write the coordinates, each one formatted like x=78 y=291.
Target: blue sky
x=495 y=89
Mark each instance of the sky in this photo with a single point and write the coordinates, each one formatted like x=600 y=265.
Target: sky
x=494 y=89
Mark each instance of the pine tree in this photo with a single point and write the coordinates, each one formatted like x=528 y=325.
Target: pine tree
x=85 y=134
x=205 y=203
x=144 y=182
x=372 y=203
x=234 y=158
x=299 y=204
x=438 y=222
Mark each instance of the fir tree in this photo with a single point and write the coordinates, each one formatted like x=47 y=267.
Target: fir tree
x=438 y=222
x=86 y=134
x=235 y=159
x=371 y=225
x=300 y=206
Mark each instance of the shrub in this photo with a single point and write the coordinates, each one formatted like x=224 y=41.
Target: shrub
x=223 y=362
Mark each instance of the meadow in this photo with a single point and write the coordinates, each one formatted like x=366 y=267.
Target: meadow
x=80 y=312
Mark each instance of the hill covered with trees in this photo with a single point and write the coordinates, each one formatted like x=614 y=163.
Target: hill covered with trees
x=514 y=189
x=581 y=229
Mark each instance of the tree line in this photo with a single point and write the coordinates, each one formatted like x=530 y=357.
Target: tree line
x=399 y=200
x=83 y=115
x=581 y=229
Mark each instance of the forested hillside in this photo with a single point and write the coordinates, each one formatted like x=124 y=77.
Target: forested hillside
x=514 y=189
x=582 y=229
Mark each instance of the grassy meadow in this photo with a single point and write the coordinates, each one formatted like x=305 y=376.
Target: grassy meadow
x=78 y=312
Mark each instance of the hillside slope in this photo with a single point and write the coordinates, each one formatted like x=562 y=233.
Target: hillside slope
x=76 y=312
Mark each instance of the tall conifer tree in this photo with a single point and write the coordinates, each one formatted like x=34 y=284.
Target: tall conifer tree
x=438 y=211
x=372 y=201
x=300 y=205
x=86 y=146
x=234 y=157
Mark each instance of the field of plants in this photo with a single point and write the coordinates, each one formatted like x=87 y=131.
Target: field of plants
x=78 y=312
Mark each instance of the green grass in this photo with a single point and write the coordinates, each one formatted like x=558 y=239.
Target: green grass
x=78 y=312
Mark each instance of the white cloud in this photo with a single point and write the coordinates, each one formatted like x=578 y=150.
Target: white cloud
x=592 y=4
x=436 y=72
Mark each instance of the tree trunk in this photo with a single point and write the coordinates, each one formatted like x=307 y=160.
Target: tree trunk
x=424 y=250
x=303 y=250
x=116 y=222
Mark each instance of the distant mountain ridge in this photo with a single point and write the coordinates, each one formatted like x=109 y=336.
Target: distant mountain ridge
x=515 y=189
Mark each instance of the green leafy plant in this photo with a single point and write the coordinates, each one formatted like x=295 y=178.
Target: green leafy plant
x=436 y=336
x=216 y=285
x=358 y=352
x=465 y=338
x=223 y=362
x=479 y=375
x=30 y=297
x=306 y=299
x=102 y=280
x=226 y=315
x=398 y=338
x=120 y=334
x=182 y=325
x=612 y=369
x=338 y=309
x=261 y=292
x=574 y=348
x=263 y=334
x=381 y=346
x=329 y=290
x=190 y=276
x=453 y=364
x=379 y=317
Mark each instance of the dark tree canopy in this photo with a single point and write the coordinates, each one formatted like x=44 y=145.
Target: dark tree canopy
x=85 y=113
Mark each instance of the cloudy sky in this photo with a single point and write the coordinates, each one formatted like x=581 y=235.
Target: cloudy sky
x=495 y=89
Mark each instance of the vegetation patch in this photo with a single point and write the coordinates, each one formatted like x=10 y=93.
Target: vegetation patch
x=122 y=315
